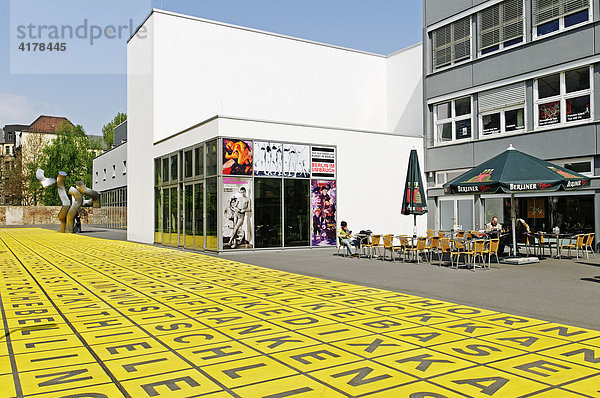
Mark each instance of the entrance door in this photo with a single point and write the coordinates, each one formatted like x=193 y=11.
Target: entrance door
x=173 y=222
x=188 y=216
x=199 y=216
x=166 y=226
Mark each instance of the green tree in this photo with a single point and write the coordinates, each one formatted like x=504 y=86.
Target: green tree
x=72 y=152
x=108 y=129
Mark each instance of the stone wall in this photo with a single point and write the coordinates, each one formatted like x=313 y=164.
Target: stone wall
x=38 y=215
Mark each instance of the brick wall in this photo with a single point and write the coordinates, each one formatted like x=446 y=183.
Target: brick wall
x=37 y=215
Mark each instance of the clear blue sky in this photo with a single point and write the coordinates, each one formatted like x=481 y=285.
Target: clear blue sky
x=379 y=26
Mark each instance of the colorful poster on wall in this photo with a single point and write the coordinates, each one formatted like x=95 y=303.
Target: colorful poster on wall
x=237 y=213
x=323 y=210
x=237 y=157
x=296 y=161
x=323 y=162
x=268 y=159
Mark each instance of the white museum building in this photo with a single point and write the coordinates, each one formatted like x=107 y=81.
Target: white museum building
x=240 y=139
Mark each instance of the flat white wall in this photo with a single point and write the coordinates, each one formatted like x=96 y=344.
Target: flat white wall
x=371 y=168
x=405 y=91
x=140 y=108
x=203 y=69
x=106 y=161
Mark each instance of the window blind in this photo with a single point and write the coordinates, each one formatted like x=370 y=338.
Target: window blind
x=452 y=43
x=501 y=97
x=500 y=23
x=548 y=10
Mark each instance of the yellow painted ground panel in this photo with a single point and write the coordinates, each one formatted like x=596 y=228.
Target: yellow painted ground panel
x=91 y=317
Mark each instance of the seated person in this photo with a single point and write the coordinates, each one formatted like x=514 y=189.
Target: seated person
x=494 y=230
x=347 y=239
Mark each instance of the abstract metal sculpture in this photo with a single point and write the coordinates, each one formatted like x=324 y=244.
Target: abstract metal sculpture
x=69 y=210
x=64 y=199
x=74 y=209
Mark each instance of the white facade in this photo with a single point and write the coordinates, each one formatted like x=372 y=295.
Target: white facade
x=110 y=169
x=244 y=83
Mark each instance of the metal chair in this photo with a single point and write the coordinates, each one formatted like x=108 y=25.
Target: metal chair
x=461 y=249
x=372 y=245
x=388 y=244
x=340 y=245
x=492 y=249
x=579 y=245
x=589 y=244
x=432 y=245
x=419 y=248
x=542 y=243
x=478 y=252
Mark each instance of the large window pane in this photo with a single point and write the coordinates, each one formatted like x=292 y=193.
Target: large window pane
x=211 y=158
x=267 y=212
x=578 y=108
x=211 y=212
x=462 y=106
x=157 y=215
x=165 y=169
x=549 y=113
x=189 y=215
x=166 y=227
x=199 y=161
x=465 y=214
x=198 y=216
x=463 y=129
x=576 y=18
x=578 y=79
x=157 y=176
x=445 y=132
x=491 y=123
x=188 y=164
x=173 y=215
x=514 y=119
x=173 y=168
x=443 y=111
x=446 y=214
x=549 y=86
x=494 y=207
x=297 y=221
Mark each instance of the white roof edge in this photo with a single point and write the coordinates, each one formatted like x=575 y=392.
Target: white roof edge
x=246 y=119
x=264 y=32
x=405 y=49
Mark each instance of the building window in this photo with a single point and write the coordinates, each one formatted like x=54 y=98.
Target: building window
x=96 y=177
x=555 y=15
x=452 y=120
x=104 y=175
x=124 y=167
x=502 y=110
x=583 y=166
x=500 y=26
x=452 y=43
x=114 y=173
x=564 y=98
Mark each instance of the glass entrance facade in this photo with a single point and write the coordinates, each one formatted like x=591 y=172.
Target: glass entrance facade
x=232 y=194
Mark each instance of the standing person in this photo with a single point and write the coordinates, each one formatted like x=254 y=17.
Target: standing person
x=347 y=239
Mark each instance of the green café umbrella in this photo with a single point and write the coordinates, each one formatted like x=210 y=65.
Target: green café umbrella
x=414 y=201
x=513 y=171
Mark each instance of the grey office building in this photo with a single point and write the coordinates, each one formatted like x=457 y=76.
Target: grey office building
x=520 y=72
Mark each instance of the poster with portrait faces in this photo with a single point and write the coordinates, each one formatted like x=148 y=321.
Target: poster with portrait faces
x=237 y=213
x=237 y=157
x=296 y=161
x=268 y=159
x=323 y=211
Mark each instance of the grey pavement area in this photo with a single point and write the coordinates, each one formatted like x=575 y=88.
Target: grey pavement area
x=564 y=291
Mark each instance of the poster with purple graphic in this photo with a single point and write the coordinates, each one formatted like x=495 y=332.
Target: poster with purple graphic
x=323 y=210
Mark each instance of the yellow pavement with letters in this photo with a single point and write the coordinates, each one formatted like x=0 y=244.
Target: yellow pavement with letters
x=86 y=317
